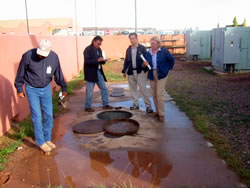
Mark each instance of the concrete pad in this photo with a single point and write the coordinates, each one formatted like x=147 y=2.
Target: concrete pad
x=220 y=73
x=146 y=137
x=169 y=154
x=208 y=68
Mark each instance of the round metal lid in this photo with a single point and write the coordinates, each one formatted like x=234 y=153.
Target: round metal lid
x=89 y=127
x=112 y=115
x=117 y=94
x=121 y=127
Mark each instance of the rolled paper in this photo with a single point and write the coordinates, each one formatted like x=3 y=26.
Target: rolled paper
x=103 y=55
x=142 y=57
x=61 y=96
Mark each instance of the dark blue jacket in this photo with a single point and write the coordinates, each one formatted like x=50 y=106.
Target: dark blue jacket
x=139 y=62
x=32 y=71
x=165 y=62
x=91 y=63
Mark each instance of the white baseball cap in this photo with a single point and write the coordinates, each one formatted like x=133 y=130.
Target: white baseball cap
x=44 y=48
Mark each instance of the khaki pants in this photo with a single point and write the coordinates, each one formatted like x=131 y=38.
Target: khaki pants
x=138 y=80
x=158 y=91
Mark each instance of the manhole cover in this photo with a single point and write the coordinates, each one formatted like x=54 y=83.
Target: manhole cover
x=112 y=115
x=121 y=127
x=117 y=94
x=89 y=127
x=120 y=89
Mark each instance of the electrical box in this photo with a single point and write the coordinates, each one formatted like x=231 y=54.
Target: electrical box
x=231 y=48
x=199 y=44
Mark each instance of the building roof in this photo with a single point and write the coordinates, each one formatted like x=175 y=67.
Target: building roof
x=55 y=22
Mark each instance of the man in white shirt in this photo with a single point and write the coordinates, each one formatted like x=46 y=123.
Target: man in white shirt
x=133 y=66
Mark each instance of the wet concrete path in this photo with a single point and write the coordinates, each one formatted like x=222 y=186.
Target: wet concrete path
x=168 y=154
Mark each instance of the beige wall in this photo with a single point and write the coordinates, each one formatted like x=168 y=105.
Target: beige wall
x=11 y=49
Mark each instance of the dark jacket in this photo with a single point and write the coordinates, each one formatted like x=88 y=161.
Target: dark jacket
x=91 y=56
x=128 y=65
x=32 y=71
x=165 y=62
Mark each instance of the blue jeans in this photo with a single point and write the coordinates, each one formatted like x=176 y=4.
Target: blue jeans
x=90 y=89
x=41 y=99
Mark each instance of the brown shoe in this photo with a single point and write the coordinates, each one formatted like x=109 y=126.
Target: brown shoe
x=45 y=148
x=161 y=118
x=154 y=114
x=107 y=107
x=89 y=110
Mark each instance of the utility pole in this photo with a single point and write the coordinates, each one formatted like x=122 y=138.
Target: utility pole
x=135 y=16
x=95 y=20
x=76 y=35
x=76 y=28
x=27 y=19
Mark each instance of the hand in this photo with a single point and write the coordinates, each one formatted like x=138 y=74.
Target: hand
x=124 y=75
x=100 y=59
x=21 y=95
x=64 y=94
x=145 y=64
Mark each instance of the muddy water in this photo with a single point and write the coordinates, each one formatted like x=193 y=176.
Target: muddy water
x=180 y=157
x=89 y=169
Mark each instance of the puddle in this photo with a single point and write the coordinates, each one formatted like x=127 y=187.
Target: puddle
x=90 y=169
x=119 y=86
x=124 y=86
x=169 y=154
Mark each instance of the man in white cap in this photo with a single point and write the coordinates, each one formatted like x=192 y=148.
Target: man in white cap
x=36 y=69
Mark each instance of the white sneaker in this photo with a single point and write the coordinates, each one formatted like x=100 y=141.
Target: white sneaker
x=51 y=145
x=45 y=148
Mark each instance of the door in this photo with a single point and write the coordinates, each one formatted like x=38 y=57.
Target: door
x=232 y=47
x=194 y=43
x=218 y=48
x=205 y=43
x=243 y=51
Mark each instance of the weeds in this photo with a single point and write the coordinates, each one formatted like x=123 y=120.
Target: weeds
x=113 y=70
x=203 y=118
x=51 y=186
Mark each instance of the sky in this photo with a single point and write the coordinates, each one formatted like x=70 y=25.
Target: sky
x=160 y=14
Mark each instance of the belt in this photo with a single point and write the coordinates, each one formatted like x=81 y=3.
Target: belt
x=134 y=68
